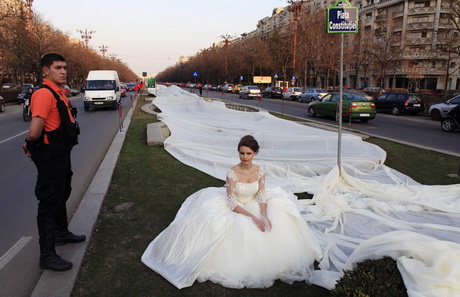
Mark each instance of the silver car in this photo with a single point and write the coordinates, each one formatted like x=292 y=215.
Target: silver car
x=438 y=111
x=250 y=92
x=312 y=94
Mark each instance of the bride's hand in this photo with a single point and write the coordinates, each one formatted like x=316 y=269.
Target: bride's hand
x=267 y=223
x=259 y=224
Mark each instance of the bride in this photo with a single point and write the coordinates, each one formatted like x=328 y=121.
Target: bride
x=239 y=236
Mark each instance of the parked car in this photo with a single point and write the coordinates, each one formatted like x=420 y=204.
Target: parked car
x=67 y=90
x=9 y=86
x=272 y=92
x=438 y=111
x=74 y=92
x=228 y=88
x=250 y=92
x=220 y=88
x=397 y=103
x=122 y=90
x=312 y=94
x=237 y=89
x=292 y=93
x=451 y=121
x=353 y=105
x=368 y=97
x=373 y=89
x=2 y=104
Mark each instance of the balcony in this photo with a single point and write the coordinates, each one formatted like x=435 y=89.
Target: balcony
x=381 y=17
x=384 y=3
x=398 y=14
x=422 y=10
x=420 y=26
x=419 y=41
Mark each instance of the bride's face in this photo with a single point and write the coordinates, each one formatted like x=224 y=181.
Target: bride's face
x=246 y=155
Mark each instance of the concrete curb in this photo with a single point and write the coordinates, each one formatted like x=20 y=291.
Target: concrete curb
x=60 y=284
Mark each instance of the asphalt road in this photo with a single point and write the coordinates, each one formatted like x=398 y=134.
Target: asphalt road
x=19 y=269
x=417 y=130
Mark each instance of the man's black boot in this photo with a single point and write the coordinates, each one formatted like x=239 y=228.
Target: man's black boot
x=63 y=237
x=48 y=257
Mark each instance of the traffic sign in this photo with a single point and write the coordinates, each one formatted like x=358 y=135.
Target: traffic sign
x=342 y=18
x=275 y=76
x=241 y=77
x=294 y=78
x=195 y=74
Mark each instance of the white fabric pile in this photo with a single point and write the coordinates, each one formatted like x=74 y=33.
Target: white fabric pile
x=367 y=212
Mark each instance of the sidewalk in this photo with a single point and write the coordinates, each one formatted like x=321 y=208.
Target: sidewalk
x=60 y=284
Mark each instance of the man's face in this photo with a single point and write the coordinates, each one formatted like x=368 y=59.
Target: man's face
x=57 y=72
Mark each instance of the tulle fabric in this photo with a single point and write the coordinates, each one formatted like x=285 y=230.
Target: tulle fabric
x=208 y=241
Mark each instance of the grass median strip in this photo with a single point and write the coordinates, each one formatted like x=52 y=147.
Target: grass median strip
x=147 y=189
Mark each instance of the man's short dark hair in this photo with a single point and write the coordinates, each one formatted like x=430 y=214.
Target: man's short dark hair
x=48 y=59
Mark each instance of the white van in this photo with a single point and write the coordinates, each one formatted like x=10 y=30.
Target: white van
x=102 y=89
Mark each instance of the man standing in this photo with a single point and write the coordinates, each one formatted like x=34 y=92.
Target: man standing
x=52 y=134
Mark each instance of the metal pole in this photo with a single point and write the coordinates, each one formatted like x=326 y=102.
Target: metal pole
x=339 y=148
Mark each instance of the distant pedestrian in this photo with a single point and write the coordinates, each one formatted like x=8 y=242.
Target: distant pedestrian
x=52 y=134
x=200 y=88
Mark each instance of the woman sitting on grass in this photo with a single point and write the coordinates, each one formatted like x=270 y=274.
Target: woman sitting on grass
x=239 y=236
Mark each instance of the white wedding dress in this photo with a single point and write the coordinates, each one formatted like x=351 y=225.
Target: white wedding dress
x=209 y=241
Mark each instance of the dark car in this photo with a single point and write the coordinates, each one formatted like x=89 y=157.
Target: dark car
x=397 y=103
x=272 y=92
x=2 y=104
x=452 y=120
x=130 y=86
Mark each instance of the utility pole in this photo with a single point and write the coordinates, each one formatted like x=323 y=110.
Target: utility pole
x=103 y=50
x=296 y=8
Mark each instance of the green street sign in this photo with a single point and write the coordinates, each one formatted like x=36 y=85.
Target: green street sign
x=342 y=18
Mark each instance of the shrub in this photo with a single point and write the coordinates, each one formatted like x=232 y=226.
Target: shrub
x=371 y=278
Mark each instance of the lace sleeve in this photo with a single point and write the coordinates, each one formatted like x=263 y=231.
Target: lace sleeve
x=261 y=196
x=232 y=200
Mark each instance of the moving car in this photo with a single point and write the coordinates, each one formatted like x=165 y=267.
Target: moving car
x=250 y=92
x=228 y=88
x=292 y=93
x=9 y=86
x=68 y=93
x=130 y=86
x=396 y=103
x=312 y=94
x=2 y=104
x=122 y=90
x=438 y=111
x=452 y=120
x=353 y=105
x=272 y=92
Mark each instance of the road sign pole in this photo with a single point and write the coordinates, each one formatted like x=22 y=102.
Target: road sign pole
x=339 y=149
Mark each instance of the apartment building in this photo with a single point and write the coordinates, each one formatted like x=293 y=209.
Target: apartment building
x=419 y=31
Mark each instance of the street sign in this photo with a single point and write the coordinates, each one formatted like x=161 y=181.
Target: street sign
x=195 y=74
x=294 y=78
x=241 y=77
x=144 y=74
x=342 y=18
x=275 y=76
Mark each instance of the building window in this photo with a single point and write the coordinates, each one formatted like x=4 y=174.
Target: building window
x=452 y=64
x=399 y=8
x=433 y=63
x=419 y=4
x=368 y=16
x=424 y=34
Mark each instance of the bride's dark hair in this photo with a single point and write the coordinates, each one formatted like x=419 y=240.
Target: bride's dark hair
x=250 y=142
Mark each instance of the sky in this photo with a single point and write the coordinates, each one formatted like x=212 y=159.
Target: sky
x=151 y=35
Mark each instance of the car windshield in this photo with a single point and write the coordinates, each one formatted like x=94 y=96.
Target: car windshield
x=297 y=90
x=100 y=85
x=414 y=98
x=320 y=91
x=253 y=88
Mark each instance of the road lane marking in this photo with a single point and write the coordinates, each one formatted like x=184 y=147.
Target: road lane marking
x=13 y=251
x=8 y=139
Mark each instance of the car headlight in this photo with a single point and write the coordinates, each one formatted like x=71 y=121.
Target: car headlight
x=110 y=97
x=87 y=98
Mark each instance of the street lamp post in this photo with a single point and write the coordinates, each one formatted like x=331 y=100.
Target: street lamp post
x=103 y=50
x=295 y=7
x=86 y=36
x=226 y=38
